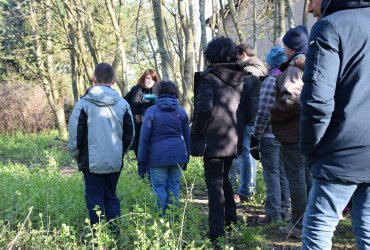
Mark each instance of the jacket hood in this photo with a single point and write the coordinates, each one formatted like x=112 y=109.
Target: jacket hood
x=167 y=102
x=230 y=73
x=330 y=6
x=102 y=96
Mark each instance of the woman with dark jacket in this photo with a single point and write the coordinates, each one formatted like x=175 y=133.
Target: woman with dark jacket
x=139 y=103
x=221 y=107
x=164 y=144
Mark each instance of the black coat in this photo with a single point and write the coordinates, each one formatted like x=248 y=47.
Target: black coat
x=138 y=107
x=335 y=99
x=222 y=109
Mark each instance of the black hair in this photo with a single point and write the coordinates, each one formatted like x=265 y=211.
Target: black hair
x=104 y=73
x=167 y=88
x=247 y=48
x=221 y=50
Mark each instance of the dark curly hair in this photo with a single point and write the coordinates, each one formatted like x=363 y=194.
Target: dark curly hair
x=221 y=50
x=167 y=88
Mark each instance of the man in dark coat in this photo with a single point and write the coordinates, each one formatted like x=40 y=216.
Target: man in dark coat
x=218 y=126
x=335 y=122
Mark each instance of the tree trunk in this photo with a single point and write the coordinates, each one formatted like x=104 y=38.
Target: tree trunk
x=45 y=73
x=187 y=86
x=120 y=57
x=203 y=36
x=304 y=16
x=290 y=13
x=167 y=71
x=280 y=27
x=222 y=14
x=236 y=21
x=254 y=26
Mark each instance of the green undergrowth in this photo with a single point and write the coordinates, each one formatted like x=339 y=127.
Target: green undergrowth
x=43 y=206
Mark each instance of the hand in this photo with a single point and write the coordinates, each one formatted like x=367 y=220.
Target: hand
x=254 y=148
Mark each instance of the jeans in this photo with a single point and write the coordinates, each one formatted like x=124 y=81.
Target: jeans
x=221 y=204
x=166 y=185
x=299 y=180
x=234 y=172
x=326 y=202
x=248 y=167
x=277 y=185
x=100 y=190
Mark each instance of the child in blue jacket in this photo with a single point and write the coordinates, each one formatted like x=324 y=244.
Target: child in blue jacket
x=164 y=144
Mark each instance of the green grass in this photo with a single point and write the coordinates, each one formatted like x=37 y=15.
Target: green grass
x=43 y=207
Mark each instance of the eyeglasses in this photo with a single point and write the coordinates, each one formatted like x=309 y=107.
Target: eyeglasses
x=148 y=78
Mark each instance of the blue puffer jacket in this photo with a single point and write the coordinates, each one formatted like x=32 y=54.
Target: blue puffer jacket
x=165 y=134
x=335 y=116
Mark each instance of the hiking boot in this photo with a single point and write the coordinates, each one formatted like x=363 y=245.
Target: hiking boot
x=291 y=231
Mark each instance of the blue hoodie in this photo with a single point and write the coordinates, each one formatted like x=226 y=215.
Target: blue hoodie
x=335 y=99
x=165 y=134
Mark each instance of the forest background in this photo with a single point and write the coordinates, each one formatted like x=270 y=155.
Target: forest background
x=54 y=45
x=48 y=50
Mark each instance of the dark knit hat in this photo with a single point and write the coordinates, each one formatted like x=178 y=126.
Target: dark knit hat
x=297 y=39
x=275 y=57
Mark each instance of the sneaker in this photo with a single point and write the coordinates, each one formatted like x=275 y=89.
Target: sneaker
x=240 y=199
x=264 y=220
x=291 y=231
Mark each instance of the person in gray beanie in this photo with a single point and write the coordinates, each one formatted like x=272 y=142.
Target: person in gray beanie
x=285 y=115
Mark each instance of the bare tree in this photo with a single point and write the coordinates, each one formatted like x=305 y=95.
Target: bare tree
x=290 y=13
x=187 y=81
x=304 y=15
x=203 y=36
x=236 y=21
x=167 y=71
x=120 y=55
x=280 y=18
x=45 y=67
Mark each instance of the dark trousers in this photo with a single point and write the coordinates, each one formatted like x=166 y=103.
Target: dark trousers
x=221 y=204
x=100 y=190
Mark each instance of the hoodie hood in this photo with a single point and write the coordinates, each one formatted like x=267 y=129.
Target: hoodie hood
x=101 y=96
x=330 y=6
x=167 y=102
x=230 y=73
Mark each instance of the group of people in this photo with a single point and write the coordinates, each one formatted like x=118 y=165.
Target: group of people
x=305 y=113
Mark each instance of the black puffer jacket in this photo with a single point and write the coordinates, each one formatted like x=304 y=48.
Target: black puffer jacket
x=222 y=108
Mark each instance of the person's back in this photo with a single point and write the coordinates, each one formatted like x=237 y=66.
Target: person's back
x=164 y=146
x=100 y=133
x=335 y=122
x=344 y=137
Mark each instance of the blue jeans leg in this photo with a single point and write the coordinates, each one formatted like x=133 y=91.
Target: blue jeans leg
x=173 y=185
x=248 y=167
x=295 y=170
x=166 y=184
x=277 y=186
x=100 y=190
x=326 y=202
x=235 y=171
